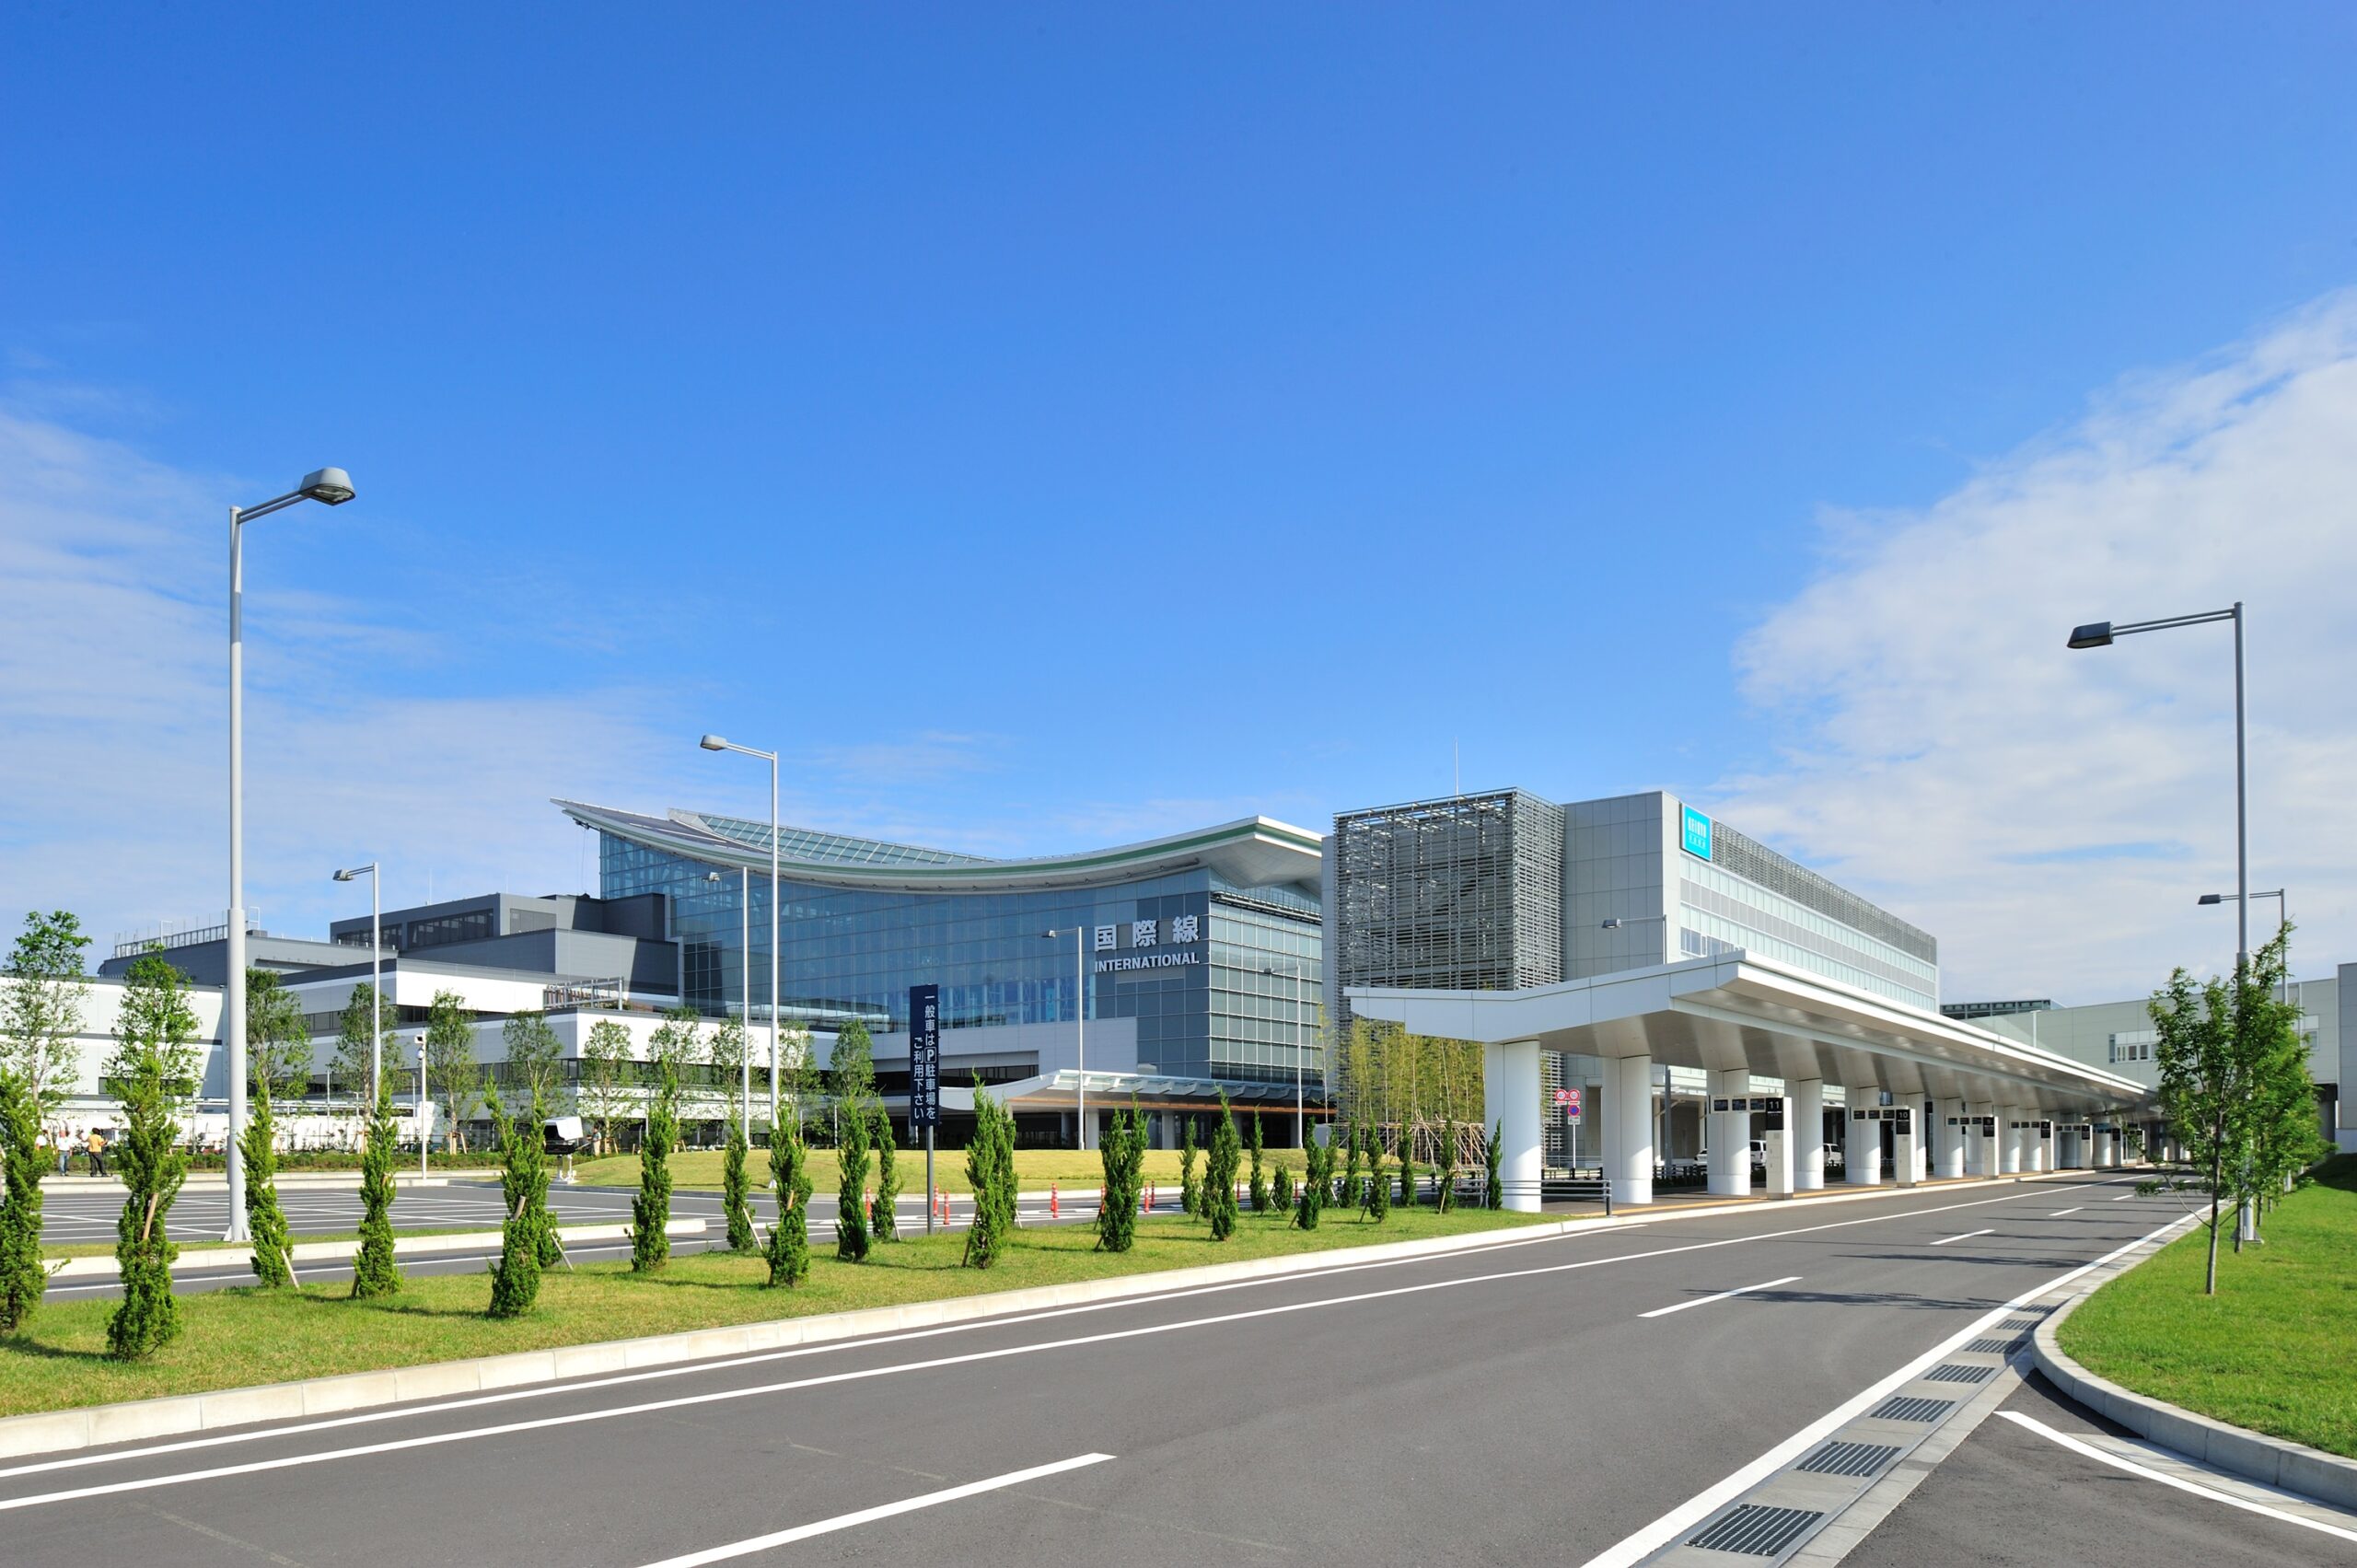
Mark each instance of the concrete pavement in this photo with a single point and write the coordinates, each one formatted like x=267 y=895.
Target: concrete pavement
x=1517 y=1404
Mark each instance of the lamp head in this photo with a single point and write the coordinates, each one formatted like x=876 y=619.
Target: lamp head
x=1612 y=924
x=344 y=875
x=330 y=486
x=2094 y=634
x=713 y=743
x=2210 y=899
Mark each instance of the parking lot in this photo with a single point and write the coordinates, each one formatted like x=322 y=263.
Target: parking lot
x=201 y=1213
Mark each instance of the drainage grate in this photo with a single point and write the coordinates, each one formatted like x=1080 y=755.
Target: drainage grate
x=1952 y=1373
x=1756 y=1531
x=1995 y=1346
x=1899 y=1407
x=1848 y=1458
x=2032 y=1321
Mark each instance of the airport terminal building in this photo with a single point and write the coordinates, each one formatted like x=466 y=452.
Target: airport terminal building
x=1198 y=970
x=1654 y=989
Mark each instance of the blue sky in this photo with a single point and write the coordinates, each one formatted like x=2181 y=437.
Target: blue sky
x=1055 y=425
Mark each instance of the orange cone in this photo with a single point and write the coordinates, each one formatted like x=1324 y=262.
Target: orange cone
x=1054 y=1211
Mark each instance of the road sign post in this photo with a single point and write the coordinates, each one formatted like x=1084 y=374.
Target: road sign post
x=924 y=1077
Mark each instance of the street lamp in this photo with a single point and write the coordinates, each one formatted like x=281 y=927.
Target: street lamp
x=2283 y=917
x=375 y=973
x=421 y=1106
x=330 y=487
x=713 y=743
x=2100 y=634
x=1080 y=1028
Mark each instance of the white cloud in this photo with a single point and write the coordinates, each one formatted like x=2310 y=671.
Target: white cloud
x=2051 y=816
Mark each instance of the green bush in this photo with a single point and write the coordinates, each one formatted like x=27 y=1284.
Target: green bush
x=1317 y=1183
x=650 y=1212
x=1493 y=1194
x=851 y=1189
x=736 y=1192
x=1219 y=1175
x=265 y=1221
x=374 y=1273
x=1189 y=1195
x=1123 y=1156
x=789 y=1248
x=884 y=1218
x=989 y=1167
x=22 y=1277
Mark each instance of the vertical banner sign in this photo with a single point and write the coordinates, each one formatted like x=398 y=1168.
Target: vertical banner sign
x=924 y=1057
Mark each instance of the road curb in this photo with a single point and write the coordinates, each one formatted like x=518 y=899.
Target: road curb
x=94 y=1426
x=2273 y=1461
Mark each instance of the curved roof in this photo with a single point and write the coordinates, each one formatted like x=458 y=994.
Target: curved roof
x=1252 y=851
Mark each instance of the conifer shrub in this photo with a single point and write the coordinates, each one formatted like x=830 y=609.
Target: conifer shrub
x=1219 y=1174
x=374 y=1273
x=265 y=1221
x=789 y=1246
x=1353 y=1192
x=1407 y=1166
x=1376 y=1203
x=1317 y=1183
x=1281 y=1188
x=1444 y=1195
x=515 y=1278
x=1493 y=1194
x=1259 y=1181
x=990 y=1168
x=737 y=1192
x=153 y=1168
x=22 y=1276
x=650 y=1212
x=884 y=1219
x=1190 y=1198
x=851 y=1191
x=1122 y=1154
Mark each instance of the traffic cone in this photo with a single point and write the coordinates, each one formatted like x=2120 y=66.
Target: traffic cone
x=1054 y=1211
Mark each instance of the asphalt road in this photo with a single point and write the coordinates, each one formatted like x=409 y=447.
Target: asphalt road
x=1511 y=1405
x=2010 y=1495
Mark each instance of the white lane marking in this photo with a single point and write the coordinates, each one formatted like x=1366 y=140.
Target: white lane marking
x=2059 y=1212
x=2124 y=1197
x=1637 y=1546
x=1706 y=1300
x=869 y=1516
x=686 y=1369
x=1966 y=1236
x=2115 y=1462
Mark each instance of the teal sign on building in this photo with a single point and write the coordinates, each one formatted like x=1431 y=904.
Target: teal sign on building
x=1697 y=829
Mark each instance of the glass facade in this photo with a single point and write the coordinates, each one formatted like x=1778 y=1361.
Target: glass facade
x=1223 y=980
x=1718 y=911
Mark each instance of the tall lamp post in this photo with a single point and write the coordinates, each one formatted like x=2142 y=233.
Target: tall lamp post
x=331 y=487
x=2283 y=917
x=1080 y=1028
x=713 y=743
x=375 y=973
x=2099 y=634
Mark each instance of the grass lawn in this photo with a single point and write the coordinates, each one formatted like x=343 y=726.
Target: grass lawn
x=2271 y=1351
x=1075 y=1172
x=235 y=1338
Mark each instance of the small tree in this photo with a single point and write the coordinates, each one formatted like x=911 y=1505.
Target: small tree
x=1444 y=1173
x=1375 y=1199
x=453 y=1075
x=515 y=1278
x=737 y=1192
x=41 y=1008
x=1282 y=1188
x=1317 y=1183
x=1122 y=1153
x=153 y=1067
x=1189 y=1200
x=1493 y=1192
x=884 y=1217
x=789 y=1247
x=1352 y=1192
x=265 y=1221
x=1406 y=1164
x=800 y=1087
x=278 y=1042
x=374 y=1271
x=1219 y=1174
x=535 y=1059
x=358 y=1045
x=851 y=1189
x=853 y=1066
x=990 y=1168
x=650 y=1231
x=608 y=1068
x=22 y=1276
x=1259 y=1182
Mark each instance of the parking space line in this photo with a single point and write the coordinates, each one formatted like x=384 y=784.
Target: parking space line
x=1706 y=1300
x=885 y=1511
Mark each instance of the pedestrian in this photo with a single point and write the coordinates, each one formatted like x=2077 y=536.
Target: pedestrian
x=98 y=1154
